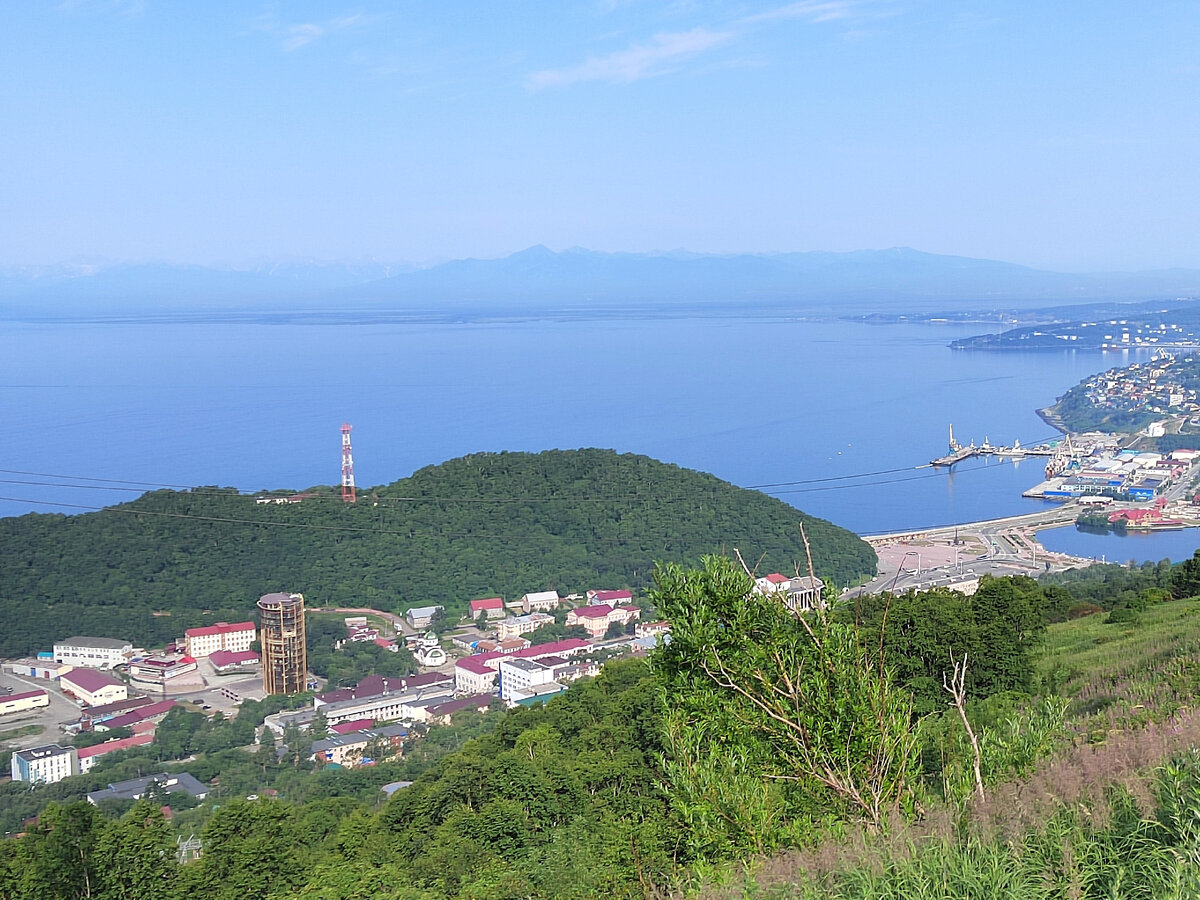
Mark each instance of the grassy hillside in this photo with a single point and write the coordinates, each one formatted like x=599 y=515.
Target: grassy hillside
x=481 y=525
x=1110 y=813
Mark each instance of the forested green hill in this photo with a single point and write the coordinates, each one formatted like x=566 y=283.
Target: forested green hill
x=477 y=526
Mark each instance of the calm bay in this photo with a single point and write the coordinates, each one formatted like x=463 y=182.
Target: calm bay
x=805 y=409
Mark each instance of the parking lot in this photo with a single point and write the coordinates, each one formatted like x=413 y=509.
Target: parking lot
x=51 y=718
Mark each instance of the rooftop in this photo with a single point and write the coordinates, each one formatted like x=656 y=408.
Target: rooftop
x=599 y=611
x=36 y=753
x=613 y=595
x=96 y=643
x=23 y=695
x=479 y=662
x=136 y=787
x=279 y=598
x=129 y=719
x=94 y=712
x=137 y=740
x=220 y=628
x=221 y=658
x=525 y=665
x=90 y=680
x=475 y=701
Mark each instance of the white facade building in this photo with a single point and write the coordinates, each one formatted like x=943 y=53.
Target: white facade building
x=539 y=601
x=44 y=765
x=201 y=642
x=23 y=702
x=93 y=688
x=520 y=675
x=93 y=652
x=515 y=626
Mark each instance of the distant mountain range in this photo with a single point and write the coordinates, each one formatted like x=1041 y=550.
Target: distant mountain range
x=575 y=281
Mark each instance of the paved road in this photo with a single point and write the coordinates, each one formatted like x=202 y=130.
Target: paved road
x=51 y=718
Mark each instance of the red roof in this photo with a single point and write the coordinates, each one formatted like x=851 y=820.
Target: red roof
x=129 y=719
x=600 y=611
x=1134 y=515
x=93 y=712
x=351 y=726
x=24 y=695
x=90 y=680
x=479 y=662
x=475 y=701
x=489 y=603
x=776 y=578
x=219 y=628
x=612 y=595
x=425 y=679
x=222 y=658
x=138 y=740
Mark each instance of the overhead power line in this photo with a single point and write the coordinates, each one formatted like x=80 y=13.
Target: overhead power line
x=796 y=486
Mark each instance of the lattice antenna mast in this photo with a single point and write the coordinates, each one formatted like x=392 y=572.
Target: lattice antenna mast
x=349 y=494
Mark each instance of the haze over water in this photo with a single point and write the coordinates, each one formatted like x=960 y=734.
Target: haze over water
x=754 y=401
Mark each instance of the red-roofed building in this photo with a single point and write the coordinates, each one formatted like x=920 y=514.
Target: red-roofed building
x=1134 y=515
x=93 y=687
x=376 y=685
x=597 y=619
x=441 y=714
x=493 y=607
x=89 y=755
x=23 y=702
x=351 y=726
x=94 y=714
x=226 y=661
x=609 y=598
x=162 y=668
x=222 y=636
x=155 y=713
x=477 y=674
x=653 y=629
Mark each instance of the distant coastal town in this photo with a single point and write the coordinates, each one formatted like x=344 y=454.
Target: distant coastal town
x=1127 y=463
x=1155 y=329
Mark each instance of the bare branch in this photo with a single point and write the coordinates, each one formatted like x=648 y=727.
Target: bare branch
x=956 y=686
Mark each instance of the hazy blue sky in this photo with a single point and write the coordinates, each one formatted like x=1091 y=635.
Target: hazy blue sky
x=1058 y=134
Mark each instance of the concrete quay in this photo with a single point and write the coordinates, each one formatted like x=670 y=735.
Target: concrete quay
x=957 y=556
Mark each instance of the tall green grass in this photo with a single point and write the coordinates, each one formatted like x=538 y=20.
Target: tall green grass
x=1091 y=818
x=1120 y=676
x=1077 y=854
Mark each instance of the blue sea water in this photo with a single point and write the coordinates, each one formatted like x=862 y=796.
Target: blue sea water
x=807 y=407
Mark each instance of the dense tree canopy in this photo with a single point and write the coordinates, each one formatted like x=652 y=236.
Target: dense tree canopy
x=486 y=524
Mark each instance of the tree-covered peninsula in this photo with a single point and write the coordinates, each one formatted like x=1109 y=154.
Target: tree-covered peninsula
x=480 y=525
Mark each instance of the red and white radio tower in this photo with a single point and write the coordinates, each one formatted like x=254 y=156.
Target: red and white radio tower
x=348 y=493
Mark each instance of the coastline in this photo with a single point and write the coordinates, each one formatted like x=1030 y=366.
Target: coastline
x=1052 y=419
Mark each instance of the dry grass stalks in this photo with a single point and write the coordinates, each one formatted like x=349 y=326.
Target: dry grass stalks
x=1081 y=779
